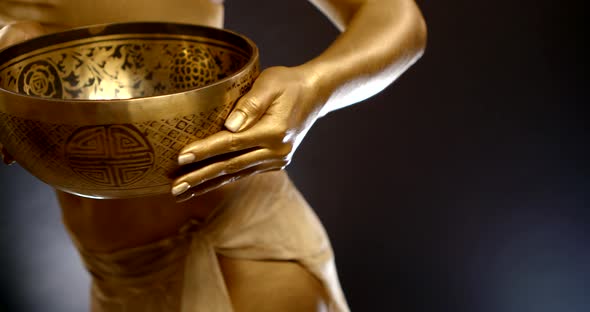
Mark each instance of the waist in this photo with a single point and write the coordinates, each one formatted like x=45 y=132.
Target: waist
x=114 y=224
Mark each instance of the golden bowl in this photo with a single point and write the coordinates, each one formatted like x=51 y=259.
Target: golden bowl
x=103 y=111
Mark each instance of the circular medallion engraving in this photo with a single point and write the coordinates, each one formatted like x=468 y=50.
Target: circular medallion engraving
x=41 y=79
x=110 y=155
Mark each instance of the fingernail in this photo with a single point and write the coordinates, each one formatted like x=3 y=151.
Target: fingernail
x=187 y=158
x=184 y=197
x=235 y=121
x=180 y=188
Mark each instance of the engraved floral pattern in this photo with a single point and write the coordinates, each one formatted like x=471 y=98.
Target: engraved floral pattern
x=41 y=79
x=119 y=70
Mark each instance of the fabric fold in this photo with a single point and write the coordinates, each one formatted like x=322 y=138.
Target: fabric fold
x=204 y=287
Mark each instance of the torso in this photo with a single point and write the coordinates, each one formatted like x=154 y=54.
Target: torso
x=111 y=225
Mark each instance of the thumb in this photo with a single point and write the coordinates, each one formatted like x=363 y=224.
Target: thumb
x=251 y=106
x=16 y=32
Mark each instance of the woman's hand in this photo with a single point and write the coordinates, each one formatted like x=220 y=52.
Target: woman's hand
x=263 y=131
x=11 y=34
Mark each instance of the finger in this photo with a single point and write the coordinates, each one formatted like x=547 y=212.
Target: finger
x=6 y=157
x=251 y=106
x=221 y=143
x=217 y=169
x=224 y=180
x=19 y=31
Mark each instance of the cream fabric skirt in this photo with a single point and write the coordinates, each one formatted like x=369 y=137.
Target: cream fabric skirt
x=182 y=273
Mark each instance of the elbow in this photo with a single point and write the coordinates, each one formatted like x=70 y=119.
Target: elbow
x=408 y=32
x=419 y=33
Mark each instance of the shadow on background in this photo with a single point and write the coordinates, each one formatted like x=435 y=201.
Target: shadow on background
x=461 y=187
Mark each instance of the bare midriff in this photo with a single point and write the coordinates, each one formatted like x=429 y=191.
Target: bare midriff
x=114 y=224
x=105 y=225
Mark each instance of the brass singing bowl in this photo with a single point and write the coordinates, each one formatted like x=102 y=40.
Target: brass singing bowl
x=103 y=111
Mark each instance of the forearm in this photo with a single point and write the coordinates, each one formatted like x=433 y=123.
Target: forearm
x=381 y=39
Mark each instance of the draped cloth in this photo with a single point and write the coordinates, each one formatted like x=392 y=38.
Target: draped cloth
x=182 y=273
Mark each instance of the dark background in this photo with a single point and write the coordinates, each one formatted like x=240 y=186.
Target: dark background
x=461 y=187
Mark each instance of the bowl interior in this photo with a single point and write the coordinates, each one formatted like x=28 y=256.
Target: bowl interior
x=121 y=66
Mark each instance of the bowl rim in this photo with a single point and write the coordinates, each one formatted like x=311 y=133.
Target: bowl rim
x=123 y=28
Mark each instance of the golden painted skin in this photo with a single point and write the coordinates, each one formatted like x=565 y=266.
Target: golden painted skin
x=380 y=40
